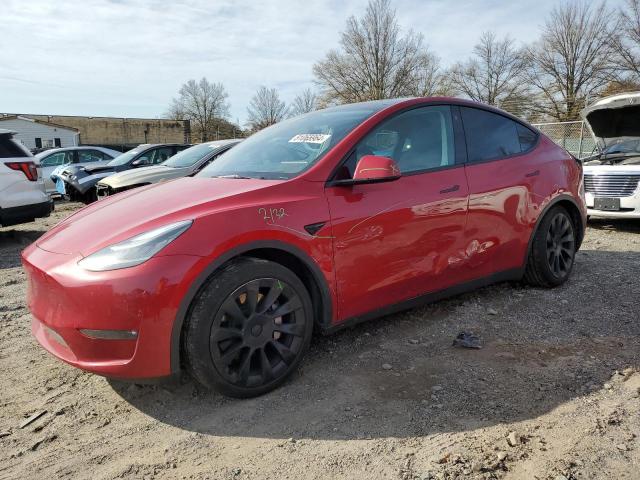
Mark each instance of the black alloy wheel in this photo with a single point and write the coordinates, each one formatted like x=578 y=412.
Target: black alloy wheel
x=561 y=245
x=258 y=332
x=248 y=328
x=553 y=249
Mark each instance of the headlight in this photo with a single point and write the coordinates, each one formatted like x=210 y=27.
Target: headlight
x=135 y=250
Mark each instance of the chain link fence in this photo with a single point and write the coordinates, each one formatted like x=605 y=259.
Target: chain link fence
x=572 y=136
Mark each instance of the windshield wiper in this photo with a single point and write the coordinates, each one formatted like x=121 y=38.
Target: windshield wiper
x=234 y=176
x=262 y=177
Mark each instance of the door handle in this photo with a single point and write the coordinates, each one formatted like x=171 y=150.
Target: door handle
x=535 y=173
x=451 y=189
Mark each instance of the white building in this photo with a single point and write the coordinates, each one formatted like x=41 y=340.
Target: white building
x=37 y=134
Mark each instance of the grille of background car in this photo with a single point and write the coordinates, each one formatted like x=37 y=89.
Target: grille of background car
x=611 y=185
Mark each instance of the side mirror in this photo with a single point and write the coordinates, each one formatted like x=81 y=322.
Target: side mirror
x=140 y=162
x=375 y=169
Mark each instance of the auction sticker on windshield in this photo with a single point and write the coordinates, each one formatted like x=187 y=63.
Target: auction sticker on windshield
x=310 y=138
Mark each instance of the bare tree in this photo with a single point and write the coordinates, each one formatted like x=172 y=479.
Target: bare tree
x=429 y=78
x=627 y=40
x=572 y=60
x=494 y=74
x=305 y=102
x=265 y=109
x=376 y=61
x=203 y=103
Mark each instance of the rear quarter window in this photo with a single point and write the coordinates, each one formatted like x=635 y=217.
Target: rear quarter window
x=10 y=148
x=527 y=138
x=491 y=136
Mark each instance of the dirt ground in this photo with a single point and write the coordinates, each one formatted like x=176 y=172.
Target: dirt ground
x=553 y=393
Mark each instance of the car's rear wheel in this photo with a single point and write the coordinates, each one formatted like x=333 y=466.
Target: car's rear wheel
x=249 y=328
x=553 y=250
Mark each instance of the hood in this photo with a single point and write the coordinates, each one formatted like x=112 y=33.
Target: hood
x=121 y=216
x=96 y=167
x=86 y=168
x=137 y=176
x=614 y=119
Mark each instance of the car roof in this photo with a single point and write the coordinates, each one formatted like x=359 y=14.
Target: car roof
x=150 y=145
x=374 y=105
x=66 y=149
x=226 y=141
x=378 y=106
x=4 y=131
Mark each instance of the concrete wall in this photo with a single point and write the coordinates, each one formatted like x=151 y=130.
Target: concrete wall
x=122 y=133
x=28 y=131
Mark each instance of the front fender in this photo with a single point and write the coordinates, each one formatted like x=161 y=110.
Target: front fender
x=317 y=267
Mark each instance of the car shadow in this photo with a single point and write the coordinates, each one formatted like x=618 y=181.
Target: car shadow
x=12 y=242
x=623 y=225
x=541 y=348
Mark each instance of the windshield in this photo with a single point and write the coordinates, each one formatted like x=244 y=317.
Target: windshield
x=287 y=148
x=629 y=146
x=190 y=156
x=125 y=157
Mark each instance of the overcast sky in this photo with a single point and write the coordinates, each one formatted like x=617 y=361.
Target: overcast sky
x=128 y=58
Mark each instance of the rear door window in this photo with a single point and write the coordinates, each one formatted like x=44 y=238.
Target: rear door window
x=87 y=156
x=527 y=137
x=490 y=136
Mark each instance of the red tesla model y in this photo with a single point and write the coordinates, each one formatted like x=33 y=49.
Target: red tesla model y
x=320 y=221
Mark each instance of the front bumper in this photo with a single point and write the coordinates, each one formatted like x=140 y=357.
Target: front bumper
x=629 y=207
x=65 y=299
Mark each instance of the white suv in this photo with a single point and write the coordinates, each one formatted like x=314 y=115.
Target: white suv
x=22 y=195
x=612 y=176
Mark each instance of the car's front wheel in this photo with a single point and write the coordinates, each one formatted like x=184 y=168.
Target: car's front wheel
x=249 y=328
x=553 y=250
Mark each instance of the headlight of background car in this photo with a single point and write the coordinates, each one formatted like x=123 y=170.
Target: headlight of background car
x=135 y=250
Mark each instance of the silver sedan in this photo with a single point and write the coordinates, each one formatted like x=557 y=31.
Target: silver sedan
x=51 y=159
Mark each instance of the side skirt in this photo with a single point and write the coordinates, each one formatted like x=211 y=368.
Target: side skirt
x=508 y=275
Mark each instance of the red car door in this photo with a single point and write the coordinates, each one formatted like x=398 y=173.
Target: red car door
x=503 y=173
x=396 y=240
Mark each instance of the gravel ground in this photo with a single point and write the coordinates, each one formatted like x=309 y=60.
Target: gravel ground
x=553 y=393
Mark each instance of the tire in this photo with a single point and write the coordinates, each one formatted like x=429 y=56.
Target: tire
x=89 y=196
x=244 y=348
x=553 y=250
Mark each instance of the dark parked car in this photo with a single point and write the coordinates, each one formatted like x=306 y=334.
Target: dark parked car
x=79 y=182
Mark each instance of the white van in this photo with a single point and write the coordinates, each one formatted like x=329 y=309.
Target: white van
x=22 y=194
